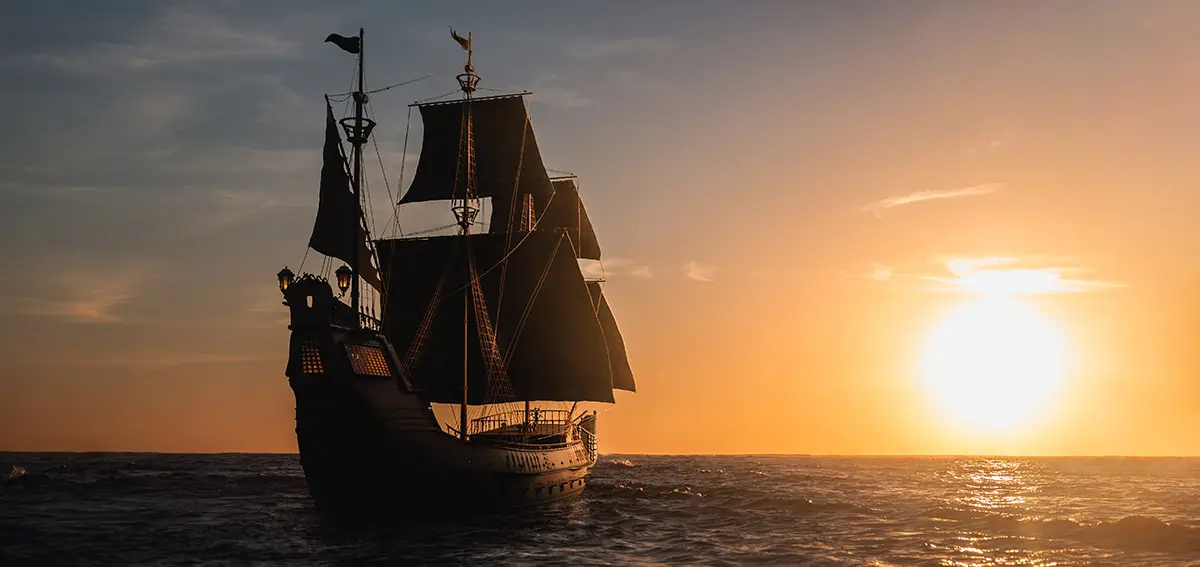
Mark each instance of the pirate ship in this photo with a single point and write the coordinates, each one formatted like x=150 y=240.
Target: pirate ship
x=498 y=324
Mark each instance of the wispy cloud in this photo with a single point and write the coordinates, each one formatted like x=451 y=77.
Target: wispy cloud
x=880 y=273
x=642 y=273
x=876 y=272
x=549 y=88
x=930 y=195
x=990 y=146
x=998 y=276
x=84 y=294
x=234 y=206
x=614 y=267
x=595 y=48
x=603 y=269
x=178 y=37
x=699 y=272
x=561 y=97
x=163 y=360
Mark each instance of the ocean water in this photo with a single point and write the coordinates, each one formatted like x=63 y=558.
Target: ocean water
x=128 y=509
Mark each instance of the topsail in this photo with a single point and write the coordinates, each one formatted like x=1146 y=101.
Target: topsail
x=508 y=164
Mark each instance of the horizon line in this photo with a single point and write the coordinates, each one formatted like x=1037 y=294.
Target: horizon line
x=817 y=455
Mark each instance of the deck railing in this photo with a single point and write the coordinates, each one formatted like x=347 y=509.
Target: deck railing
x=343 y=316
x=369 y=322
x=537 y=417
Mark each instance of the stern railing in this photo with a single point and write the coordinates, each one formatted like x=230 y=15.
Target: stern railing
x=589 y=442
x=343 y=316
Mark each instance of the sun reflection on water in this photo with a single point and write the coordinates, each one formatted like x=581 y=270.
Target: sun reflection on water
x=995 y=485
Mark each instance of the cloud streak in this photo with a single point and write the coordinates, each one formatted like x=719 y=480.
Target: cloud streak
x=699 y=272
x=179 y=37
x=84 y=298
x=930 y=195
x=157 y=360
x=997 y=276
x=1007 y=276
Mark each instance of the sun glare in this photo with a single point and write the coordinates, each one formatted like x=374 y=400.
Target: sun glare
x=993 y=363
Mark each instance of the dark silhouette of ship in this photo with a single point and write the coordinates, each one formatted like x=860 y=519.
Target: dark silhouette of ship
x=495 y=323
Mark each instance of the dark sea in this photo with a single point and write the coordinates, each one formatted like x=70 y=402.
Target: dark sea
x=235 y=509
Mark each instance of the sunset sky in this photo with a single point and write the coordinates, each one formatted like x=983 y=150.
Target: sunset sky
x=791 y=198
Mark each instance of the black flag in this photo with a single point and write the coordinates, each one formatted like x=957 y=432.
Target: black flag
x=462 y=41
x=348 y=44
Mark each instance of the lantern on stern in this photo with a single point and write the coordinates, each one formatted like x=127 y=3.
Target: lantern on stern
x=343 y=278
x=285 y=278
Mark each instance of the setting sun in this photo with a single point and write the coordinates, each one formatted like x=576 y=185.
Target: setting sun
x=993 y=363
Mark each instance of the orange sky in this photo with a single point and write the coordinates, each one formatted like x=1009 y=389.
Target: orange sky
x=753 y=174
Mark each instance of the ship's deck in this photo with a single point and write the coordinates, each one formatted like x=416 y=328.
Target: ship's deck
x=533 y=433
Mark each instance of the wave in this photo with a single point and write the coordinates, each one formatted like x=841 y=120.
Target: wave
x=637 y=490
x=1140 y=533
x=104 y=479
x=14 y=473
x=619 y=463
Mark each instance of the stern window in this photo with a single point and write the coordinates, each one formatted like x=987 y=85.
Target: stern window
x=310 y=358
x=367 y=360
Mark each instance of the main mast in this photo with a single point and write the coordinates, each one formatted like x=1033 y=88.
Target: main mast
x=466 y=211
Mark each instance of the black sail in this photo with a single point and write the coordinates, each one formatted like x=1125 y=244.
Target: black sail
x=338 y=230
x=545 y=323
x=618 y=359
x=566 y=210
x=508 y=165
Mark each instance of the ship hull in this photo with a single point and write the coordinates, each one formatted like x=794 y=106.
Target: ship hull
x=372 y=453
x=366 y=452
x=370 y=444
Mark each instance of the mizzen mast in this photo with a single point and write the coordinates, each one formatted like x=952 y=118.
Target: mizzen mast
x=358 y=129
x=340 y=229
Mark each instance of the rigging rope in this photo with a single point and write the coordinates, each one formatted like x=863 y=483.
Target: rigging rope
x=529 y=306
x=499 y=387
x=438 y=96
x=512 y=208
x=390 y=87
x=510 y=252
x=395 y=205
x=412 y=355
x=434 y=229
x=328 y=100
x=387 y=185
x=403 y=163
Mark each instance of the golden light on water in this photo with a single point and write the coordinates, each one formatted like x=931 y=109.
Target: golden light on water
x=993 y=363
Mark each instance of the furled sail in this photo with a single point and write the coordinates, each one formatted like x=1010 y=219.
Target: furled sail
x=566 y=210
x=618 y=360
x=339 y=230
x=508 y=164
x=545 y=324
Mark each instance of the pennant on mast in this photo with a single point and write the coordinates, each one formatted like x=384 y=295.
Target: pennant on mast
x=464 y=42
x=348 y=44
